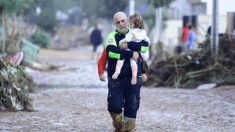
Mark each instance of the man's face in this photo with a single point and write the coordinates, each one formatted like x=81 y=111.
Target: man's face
x=121 y=23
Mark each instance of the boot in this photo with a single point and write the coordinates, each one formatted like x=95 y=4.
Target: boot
x=130 y=125
x=118 y=123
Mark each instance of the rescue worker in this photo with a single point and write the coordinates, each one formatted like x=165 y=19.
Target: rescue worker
x=123 y=97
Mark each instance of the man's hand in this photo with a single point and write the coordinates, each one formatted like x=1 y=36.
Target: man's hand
x=102 y=77
x=135 y=56
x=123 y=46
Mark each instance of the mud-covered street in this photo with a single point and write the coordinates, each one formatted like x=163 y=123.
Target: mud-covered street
x=73 y=99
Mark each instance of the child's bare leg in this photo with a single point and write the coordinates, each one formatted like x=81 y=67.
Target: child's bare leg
x=134 y=72
x=118 y=69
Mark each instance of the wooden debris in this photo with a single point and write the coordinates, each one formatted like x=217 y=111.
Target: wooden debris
x=193 y=68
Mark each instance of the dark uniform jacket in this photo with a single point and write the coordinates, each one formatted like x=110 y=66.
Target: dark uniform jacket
x=115 y=53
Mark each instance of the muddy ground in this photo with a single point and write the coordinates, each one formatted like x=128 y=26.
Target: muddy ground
x=72 y=99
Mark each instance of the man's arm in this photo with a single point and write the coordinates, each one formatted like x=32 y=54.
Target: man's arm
x=114 y=51
x=101 y=65
x=138 y=46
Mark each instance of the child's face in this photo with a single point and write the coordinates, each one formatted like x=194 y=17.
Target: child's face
x=131 y=24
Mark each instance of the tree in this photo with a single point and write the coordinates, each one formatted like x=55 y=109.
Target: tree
x=104 y=8
x=47 y=20
x=14 y=6
x=160 y=3
x=110 y=7
x=80 y=9
x=10 y=8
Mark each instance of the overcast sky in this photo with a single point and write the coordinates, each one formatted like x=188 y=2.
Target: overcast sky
x=224 y=6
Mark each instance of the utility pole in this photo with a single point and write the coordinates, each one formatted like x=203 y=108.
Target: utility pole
x=131 y=7
x=214 y=34
x=158 y=22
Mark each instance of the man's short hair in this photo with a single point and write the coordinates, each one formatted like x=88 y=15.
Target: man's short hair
x=119 y=13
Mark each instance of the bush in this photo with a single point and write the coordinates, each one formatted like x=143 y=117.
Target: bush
x=47 y=20
x=41 y=39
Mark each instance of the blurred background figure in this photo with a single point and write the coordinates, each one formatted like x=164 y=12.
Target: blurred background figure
x=185 y=35
x=209 y=31
x=192 y=38
x=96 y=40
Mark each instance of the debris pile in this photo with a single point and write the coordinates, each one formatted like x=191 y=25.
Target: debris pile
x=15 y=86
x=193 y=68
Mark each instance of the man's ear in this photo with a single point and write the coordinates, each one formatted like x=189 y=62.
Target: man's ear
x=114 y=23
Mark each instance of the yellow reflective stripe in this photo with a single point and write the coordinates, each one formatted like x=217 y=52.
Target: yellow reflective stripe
x=114 y=55
x=111 y=39
x=143 y=49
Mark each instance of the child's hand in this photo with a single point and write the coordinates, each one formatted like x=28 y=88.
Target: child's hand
x=102 y=77
x=144 y=77
x=123 y=46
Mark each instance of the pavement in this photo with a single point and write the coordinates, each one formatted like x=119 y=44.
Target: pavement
x=73 y=99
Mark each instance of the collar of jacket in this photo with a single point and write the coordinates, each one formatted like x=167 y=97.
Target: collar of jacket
x=121 y=33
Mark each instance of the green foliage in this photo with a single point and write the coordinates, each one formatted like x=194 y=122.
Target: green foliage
x=160 y=3
x=14 y=6
x=14 y=83
x=41 y=39
x=103 y=8
x=47 y=20
x=110 y=7
x=62 y=5
x=90 y=9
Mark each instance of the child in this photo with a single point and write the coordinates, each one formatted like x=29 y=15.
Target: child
x=137 y=34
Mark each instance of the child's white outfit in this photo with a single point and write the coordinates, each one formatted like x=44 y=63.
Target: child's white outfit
x=135 y=35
